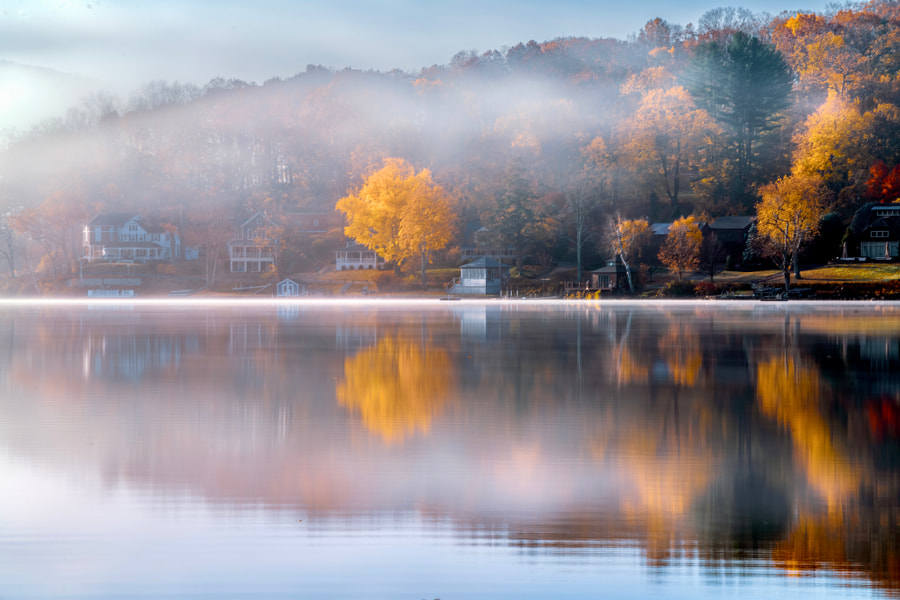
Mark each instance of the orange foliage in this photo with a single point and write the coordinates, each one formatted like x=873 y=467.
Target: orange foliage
x=397 y=387
x=789 y=393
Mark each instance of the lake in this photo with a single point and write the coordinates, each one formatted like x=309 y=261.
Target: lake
x=468 y=449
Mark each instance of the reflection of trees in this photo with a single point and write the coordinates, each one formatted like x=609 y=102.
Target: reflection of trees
x=397 y=386
x=790 y=392
x=681 y=348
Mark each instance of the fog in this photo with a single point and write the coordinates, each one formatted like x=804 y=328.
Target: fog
x=626 y=124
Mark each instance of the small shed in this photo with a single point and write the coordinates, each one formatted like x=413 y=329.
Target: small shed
x=608 y=278
x=287 y=288
x=481 y=276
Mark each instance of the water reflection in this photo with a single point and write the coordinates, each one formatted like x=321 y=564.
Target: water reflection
x=700 y=434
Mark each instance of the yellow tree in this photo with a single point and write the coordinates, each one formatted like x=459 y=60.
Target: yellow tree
x=399 y=214
x=787 y=217
x=681 y=250
x=626 y=237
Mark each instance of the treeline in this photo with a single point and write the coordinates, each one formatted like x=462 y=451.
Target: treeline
x=671 y=122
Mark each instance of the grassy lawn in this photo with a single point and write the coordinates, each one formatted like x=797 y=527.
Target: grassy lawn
x=821 y=274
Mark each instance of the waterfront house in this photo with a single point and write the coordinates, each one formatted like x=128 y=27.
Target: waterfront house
x=128 y=237
x=484 y=276
x=875 y=232
x=608 y=278
x=252 y=250
x=357 y=257
x=287 y=288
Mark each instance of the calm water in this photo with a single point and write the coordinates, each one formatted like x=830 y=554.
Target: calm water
x=450 y=450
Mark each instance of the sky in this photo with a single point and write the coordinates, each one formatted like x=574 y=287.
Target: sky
x=123 y=43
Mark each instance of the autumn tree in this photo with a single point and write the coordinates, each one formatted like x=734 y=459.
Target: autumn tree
x=681 y=250
x=668 y=134
x=400 y=214
x=625 y=238
x=788 y=216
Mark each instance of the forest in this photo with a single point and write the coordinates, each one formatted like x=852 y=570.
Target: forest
x=542 y=143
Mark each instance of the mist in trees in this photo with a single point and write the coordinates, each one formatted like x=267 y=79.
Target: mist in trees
x=539 y=142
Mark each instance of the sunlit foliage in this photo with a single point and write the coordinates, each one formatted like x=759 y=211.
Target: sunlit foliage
x=789 y=215
x=399 y=213
x=791 y=392
x=680 y=252
x=397 y=386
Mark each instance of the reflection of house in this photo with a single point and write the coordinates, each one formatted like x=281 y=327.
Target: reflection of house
x=482 y=276
x=125 y=236
x=876 y=228
x=252 y=249
x=357 y=257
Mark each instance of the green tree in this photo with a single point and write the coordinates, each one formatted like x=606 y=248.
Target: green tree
x=515 y=220
x=745 y=84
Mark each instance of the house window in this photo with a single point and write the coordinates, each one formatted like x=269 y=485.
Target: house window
x=315 y=222
x=880 y=233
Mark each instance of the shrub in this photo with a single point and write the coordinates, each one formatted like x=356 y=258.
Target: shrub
x=677 y=289
x=706 y=288
x=386 y=281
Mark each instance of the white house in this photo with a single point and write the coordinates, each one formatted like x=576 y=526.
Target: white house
x=252 y=250
x=126 y=236
x=357 y=257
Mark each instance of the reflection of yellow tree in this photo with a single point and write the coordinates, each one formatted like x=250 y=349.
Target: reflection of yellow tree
x=834 y=542
x=789 y=393
x=682 y=351
x=397 y=387
x=628 y=368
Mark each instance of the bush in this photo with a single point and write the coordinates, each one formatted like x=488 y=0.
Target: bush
x=706 y=288
x=386 y=281
x=677 y=289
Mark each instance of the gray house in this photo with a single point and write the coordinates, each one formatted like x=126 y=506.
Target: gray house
x=484 y=276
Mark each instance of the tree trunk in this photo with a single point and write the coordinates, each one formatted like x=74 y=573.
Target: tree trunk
x=786 y=271
x=424 y=263
x=627 y=273
x=578 y=255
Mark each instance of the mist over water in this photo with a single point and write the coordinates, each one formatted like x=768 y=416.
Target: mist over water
x=472 y=449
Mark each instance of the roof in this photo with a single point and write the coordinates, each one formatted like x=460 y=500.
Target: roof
x=613 y=268
x=112 y=219
x=731 y=223
x=153 y=228
x=484 y=262
x=660 y=228
x=867 y=218
x=246 y=218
